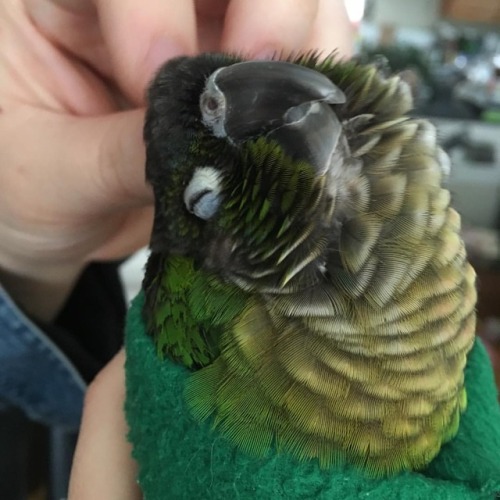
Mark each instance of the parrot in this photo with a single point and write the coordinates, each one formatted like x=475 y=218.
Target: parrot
x=306 y=265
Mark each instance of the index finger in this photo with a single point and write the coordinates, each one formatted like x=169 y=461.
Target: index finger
x=262 y=28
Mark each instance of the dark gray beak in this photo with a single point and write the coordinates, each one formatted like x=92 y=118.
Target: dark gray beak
x=284 y=101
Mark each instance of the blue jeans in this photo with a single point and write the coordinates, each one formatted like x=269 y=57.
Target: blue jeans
x=34 y=374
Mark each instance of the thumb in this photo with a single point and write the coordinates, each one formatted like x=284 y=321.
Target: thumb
x=103 y=466
x=143 y=35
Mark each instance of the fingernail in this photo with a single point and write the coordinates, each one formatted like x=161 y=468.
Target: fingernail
x=161 y=50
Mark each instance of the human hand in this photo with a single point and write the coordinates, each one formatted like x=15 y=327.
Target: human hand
x=71 y=178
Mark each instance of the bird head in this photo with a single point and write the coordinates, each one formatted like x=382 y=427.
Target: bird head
x=246 y=160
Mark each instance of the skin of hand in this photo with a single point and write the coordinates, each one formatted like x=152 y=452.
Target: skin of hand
x=102 y=466
x=73 y=75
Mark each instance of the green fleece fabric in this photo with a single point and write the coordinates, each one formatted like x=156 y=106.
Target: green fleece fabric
x=180 y=458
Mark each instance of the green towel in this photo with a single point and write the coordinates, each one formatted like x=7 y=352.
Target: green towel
x=180 y=458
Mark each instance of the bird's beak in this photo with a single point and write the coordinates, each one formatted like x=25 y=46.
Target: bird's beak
x=255 y=95
x=285 y=102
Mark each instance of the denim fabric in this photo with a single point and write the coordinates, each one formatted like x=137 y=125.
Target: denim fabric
x=34 y=374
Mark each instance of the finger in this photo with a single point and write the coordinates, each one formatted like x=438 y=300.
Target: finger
x=132 y=233
x=73 y=26
x=332 y=30
x=142 y=35
x=88 y=165
x=262 y=28
x=103 y=466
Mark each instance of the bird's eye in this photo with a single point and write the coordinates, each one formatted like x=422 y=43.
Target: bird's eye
x=204 y=205
x=202 y=196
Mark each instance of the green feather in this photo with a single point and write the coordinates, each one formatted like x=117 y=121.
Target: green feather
x=190 y=311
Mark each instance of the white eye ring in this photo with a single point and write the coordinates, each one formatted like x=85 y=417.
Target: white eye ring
x=202 y=195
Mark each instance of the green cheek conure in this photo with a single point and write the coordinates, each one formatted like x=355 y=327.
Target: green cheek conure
x=306 y=264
